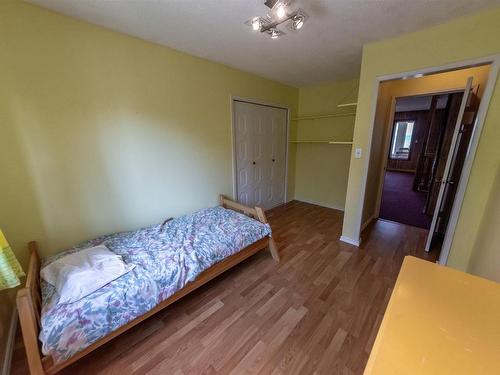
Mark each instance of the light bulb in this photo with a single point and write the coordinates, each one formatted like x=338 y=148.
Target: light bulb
x=298 y=22
x=274 y=34
x=281 y=11
x=256 y=24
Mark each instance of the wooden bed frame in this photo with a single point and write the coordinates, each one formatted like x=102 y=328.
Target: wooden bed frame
x=29 y=299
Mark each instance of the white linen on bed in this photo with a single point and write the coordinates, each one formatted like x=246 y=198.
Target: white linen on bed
x=80 y=274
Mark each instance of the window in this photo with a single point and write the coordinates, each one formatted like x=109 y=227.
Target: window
x=401 y=140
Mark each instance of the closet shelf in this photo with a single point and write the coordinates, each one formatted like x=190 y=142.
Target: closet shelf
x=343 y=105
x=326 y=115
x=326 y=142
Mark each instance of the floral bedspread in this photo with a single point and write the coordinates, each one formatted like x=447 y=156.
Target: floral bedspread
x=167 y=256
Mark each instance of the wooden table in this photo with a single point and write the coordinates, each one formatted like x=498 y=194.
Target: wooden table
x=438 y=321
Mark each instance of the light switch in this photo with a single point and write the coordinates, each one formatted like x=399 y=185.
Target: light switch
x=357 y=153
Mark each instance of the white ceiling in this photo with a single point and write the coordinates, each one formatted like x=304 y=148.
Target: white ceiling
x=327 y=48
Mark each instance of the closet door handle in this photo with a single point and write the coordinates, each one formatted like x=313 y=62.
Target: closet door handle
x=253 y=163
x=273 y=160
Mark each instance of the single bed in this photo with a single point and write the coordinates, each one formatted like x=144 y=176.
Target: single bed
x=171 y=259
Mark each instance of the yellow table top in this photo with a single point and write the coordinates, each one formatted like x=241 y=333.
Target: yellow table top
x=438 y=321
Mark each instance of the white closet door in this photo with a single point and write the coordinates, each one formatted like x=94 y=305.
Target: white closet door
x=260 y=151
x=277 y=136
x=244 y=123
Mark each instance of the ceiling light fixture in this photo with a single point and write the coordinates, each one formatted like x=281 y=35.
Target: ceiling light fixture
x=280 y=10
x=279 y=14
x=256 y=23
x=298 y=22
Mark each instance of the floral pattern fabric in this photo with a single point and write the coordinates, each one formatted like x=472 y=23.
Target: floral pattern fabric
x=167 y=256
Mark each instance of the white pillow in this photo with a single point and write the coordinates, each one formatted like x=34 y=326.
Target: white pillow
x=82 y=273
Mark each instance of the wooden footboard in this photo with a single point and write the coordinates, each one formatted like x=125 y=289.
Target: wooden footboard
x=29 y=298
x=256 y=213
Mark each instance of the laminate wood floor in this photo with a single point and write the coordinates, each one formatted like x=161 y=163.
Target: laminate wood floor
x=315 y=312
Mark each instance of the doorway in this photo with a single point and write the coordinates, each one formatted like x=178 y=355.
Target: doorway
x=260 y=153
x=428 y=127
x=420 y=143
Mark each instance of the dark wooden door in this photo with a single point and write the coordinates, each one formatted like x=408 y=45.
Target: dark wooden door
x=449 y=166
x=443 y=141
x=430 y=147
x=459 y=154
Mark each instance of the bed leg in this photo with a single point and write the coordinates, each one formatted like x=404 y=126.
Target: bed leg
x=274 y=250
x=272 y=245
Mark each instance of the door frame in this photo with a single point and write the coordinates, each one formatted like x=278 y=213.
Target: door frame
x=494 y=61
x=388 y=135
x=265 y=103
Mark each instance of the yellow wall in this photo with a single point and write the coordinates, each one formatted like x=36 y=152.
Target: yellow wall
x=460 y=39
x=485 y=260
x=105 y=132
x=321 y=170
x=382 y=125
x=101 y=132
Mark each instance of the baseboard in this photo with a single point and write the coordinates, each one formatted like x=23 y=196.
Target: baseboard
x=316 y=203
x=11 y=340
x=350 y=241
x=367 y=222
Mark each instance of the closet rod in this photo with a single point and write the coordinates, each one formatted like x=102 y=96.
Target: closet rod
x=327 y=142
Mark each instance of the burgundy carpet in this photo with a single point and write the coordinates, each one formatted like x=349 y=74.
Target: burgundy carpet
x=400 y=203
